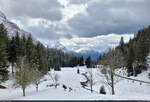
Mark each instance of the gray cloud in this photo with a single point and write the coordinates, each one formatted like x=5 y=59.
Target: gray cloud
x=46 y=9
x=78 y=1
x=52 y=32
x=112 y=16
x=101 y=17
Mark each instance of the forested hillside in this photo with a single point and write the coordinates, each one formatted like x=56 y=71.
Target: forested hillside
x=134 y=52
x=39 y=56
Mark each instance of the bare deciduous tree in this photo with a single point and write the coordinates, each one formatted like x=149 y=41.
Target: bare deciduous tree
x=54 y=77
x=23 y=74
x=91 y=78
x=36 y=76
x=112 y=60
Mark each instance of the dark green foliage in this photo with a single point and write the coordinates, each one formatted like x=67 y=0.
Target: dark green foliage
x=122 y=45
x=81 y=61
x=40 y=56
x=37 y=55
x=57 y=58
x=137 y=70
x=88 y=62
x=136 y=51
x=12 y=52
x=24 y=46
x=3 y=53
x=30 y=48
x=130 y=60
x=57 y=68
x=102 y=90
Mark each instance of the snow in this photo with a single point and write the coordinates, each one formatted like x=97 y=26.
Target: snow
x=90 y=44
x=124 y=90
x=11 y=27
x=2 y=16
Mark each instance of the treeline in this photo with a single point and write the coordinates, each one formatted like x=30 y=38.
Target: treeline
x=58 y=58
x=11 y=48
x=134 y=52
x=39 y=57
x=137 y=51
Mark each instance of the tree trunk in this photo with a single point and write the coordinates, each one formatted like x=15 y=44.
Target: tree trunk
x=91 y=89
x=36 y=87
x=12 y=68
x=23 y=91
x=112 y=83
x=91 y=84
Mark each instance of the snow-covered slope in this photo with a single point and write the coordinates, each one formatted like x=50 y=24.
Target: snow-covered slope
x=11 y=27
x=124 y=89
x=58 y=45
x=90 y=46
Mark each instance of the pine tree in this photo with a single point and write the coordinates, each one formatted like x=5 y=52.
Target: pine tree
x=12 y=52
x=81 y=61
x=88 y=62
x=41 y=56
x=130 y=60
x=23 y=45
x=17 y=42
x=30 y=48
x=3 y=53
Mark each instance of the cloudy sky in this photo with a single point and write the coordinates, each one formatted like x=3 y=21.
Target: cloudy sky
x=57 y=19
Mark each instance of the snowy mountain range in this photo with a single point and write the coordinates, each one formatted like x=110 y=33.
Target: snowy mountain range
x=80 y=46
x=93 y=46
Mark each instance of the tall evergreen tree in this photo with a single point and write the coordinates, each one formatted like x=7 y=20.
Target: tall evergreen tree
x=121 y=45
x=3 y=53
x=17 y=42
x=41 y=56
x=12 y=52
x=23 y=45
x=130 y=60
x=88 y=62
x=30 y=48
x=81 y=61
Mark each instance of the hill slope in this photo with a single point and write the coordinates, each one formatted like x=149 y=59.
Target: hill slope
x=11 y=27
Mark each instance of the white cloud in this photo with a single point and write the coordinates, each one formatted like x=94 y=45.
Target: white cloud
x=56 y=19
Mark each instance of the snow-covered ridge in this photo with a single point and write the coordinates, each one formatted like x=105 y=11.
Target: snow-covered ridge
x=98 y=44
x=11 y=27
x=2 y=16
x=58 y=45
x=92 y=44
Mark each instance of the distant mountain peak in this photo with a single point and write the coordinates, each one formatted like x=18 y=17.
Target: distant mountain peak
x=56 y=44
x=2 y=16
x=11 y=27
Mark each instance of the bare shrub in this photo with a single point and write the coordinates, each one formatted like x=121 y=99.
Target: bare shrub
x=23 y=74
x=111 y=61
x=36 y=76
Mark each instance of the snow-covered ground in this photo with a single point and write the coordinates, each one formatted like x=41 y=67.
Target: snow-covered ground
x=124 y=89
